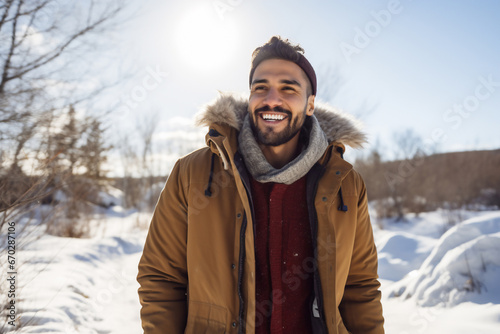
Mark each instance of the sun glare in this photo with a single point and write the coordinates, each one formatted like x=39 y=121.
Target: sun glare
x=205 y=41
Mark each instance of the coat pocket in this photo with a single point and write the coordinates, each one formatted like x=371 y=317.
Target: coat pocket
x=204 y=318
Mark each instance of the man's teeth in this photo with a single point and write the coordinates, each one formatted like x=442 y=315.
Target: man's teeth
x=273 y=117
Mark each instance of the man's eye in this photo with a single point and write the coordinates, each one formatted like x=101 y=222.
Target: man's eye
x=259 y=88
x=288 y=88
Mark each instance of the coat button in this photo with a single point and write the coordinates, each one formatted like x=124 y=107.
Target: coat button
x=238 y=215
x=324 y=199
x=233 y=266
x=337 y=172
x=234 y=324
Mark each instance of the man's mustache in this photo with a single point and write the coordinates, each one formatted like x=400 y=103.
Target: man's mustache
x=276 y=109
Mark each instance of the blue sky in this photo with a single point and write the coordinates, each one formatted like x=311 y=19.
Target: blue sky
x=430 y=66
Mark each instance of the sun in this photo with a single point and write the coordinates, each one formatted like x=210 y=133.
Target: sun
x=205 y=41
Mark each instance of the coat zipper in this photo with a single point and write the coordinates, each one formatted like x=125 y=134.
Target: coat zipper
x=313 y=178
x=238 y=159
x=241 y=261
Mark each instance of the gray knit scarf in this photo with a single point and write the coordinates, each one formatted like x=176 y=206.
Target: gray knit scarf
x=263 y=172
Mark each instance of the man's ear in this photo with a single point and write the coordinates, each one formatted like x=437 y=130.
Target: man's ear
x=310 y=105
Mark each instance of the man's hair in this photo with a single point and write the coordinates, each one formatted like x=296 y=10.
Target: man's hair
x=278 y=48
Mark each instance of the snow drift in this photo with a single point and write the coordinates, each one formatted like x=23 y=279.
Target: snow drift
x=463 y=266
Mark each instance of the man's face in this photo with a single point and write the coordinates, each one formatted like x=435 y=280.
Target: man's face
x=278 y=102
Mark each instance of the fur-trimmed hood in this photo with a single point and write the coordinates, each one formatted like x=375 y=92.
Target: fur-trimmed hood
x=339 y=127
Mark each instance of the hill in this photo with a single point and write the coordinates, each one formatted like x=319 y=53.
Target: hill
x=424 y=183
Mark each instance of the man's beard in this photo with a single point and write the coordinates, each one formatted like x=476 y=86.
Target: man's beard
x=267 y=136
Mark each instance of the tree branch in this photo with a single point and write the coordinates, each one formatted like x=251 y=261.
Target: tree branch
x=5 y=71
x=51 y=56
x=6 y=9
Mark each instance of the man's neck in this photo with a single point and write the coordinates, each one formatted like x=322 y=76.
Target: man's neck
x=279 y=156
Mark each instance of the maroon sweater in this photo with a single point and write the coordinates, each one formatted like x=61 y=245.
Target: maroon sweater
x=284 y=258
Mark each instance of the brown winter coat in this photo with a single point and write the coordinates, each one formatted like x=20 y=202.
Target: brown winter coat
x=197 y=271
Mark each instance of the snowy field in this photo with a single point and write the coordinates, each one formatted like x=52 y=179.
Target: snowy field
x=434 y=279
x=441 y=282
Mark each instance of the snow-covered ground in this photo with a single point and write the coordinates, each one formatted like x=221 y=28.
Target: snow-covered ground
x=433 y=280
x=88 y=285
x=437 y=281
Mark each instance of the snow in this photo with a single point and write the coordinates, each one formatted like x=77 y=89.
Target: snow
x=440 y=282
x=68 y=285
x=435 y=279
x=400 y=252
x=408 y=318
x=466 y=258
x=110 y=197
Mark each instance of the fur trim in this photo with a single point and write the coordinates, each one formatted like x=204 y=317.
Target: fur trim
x=231 y=109
x=339 y=126
x=227 y=109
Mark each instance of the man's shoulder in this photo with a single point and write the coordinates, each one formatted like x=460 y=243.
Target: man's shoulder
x=355 y=179
x=195 y=160
x=196 y=155
x=352 y=182
x=193 y=166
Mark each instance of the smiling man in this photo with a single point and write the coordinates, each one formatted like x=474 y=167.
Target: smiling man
x=280 y=98
x=267 y=229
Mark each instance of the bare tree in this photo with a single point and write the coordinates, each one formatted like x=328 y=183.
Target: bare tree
x=403 y=189
x=407 y=144
x=47 y=77
x=138 y=160
x=45 y=46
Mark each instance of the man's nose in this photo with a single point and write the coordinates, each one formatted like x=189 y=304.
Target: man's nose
x=272 y=98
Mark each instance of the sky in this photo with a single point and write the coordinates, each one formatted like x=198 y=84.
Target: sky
x=429 y=66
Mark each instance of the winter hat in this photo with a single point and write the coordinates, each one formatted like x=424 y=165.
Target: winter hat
x=278 y=48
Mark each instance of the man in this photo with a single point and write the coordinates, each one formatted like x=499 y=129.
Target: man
x=267 y=229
